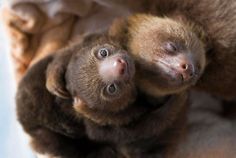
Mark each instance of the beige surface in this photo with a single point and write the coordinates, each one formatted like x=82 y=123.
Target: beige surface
x=40 y=27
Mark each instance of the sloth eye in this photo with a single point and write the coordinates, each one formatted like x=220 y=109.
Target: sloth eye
x=170 y=47
x=103 y=53
x=112 y=89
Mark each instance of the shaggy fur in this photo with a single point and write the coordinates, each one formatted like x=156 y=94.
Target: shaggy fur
x=217 y=20
x=162 y=46
x=61 y=124
x=152 y=135
x=211 y=23
x=55 y=127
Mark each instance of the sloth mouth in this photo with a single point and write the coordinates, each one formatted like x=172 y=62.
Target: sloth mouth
x=174 y=76
x=169 y=72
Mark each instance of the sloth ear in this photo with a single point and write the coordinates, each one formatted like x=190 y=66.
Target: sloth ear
x=55 y=75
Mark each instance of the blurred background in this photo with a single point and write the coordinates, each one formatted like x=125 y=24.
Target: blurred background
x=13 y=143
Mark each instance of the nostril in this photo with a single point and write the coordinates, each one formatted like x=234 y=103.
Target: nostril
x=185 y=66
x=191 y=74
x=121 y=61
x=187 y=71
x=122 y=71
x=120 y=65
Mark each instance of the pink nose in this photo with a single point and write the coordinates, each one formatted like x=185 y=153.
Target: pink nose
x=119 y=66
x=114 y=68
x=187 y=70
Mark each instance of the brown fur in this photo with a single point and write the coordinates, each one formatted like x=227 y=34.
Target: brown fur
x=74 y=101
x=152 y=135
x=115 y=127
x=145 y=37
x=217 y=20
x=51 y=121
x=211 y=22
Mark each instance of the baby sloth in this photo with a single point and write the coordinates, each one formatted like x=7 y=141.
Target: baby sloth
x=113 y=107
x=203 y=28
x=100 y=73
x=84 y=102
x=172 y=54
x=213 y=22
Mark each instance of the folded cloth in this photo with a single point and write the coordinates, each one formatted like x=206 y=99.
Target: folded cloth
x=209 y=134
x=37 y=28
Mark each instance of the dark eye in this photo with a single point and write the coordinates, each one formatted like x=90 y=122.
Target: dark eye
x=170 y=47
x=103 y=53
x=112 y=89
